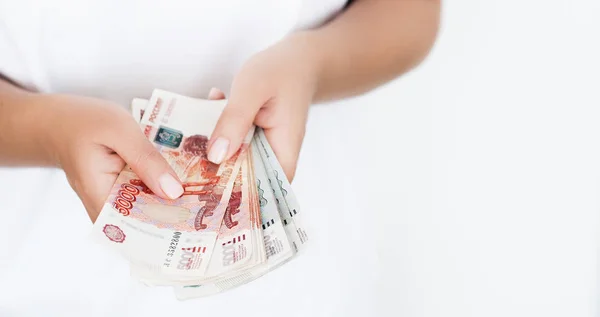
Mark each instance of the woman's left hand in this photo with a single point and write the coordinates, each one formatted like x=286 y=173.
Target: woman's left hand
x=273 y=90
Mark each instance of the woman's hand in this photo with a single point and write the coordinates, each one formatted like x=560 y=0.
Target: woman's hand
x=273 y=90
x=92 y=140
x=368 y=44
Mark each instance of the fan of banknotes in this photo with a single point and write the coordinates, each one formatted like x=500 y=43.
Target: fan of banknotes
x=234 y=222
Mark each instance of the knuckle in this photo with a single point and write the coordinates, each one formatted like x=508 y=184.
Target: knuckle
x=146 y=159
x=237 y=113
x=235 y=120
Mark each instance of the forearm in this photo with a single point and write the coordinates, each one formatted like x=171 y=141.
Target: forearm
x=22 y=122
x=372 y=42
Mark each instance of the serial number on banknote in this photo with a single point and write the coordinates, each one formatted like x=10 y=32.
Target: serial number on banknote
x=172 y=248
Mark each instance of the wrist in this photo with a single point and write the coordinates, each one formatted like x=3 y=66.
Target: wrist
x=42 y=118
x=310 y=58
x=23 y=120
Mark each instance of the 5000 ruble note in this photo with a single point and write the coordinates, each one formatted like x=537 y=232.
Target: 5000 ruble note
x=175 y=237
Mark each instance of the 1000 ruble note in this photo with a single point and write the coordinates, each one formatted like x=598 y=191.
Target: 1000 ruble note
x=284 y=195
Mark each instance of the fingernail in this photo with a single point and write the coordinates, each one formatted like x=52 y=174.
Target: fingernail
x=218 y=150
x=213 y=93
x=170 y=186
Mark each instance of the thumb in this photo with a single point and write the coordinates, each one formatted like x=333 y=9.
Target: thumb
x=235 y=123
x=149 y=165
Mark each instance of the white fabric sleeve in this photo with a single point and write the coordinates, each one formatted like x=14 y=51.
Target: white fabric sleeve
x=315 y=13
x=13 y=64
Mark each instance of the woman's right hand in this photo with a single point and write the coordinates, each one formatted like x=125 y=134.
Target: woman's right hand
x=92 y=140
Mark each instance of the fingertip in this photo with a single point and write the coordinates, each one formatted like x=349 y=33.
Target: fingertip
x=218 y=150
x=170 y=186
x=234 y=123
x=215 y=94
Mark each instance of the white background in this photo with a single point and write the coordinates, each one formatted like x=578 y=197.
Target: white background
x=467 y=188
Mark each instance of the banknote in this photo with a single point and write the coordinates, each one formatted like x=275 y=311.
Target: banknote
x=275 y=241
x=235 y=256
x=238 y=233
x=282 y=189
x=239 y=244
x=234 y=230
x=138 y=107
x=254 y=196
x=277 y=245
x=235 y=221
x=175 y=237
x=238 y=241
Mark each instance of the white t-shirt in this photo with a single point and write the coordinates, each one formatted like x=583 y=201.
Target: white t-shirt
x=118 y=50
x=121 y=49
